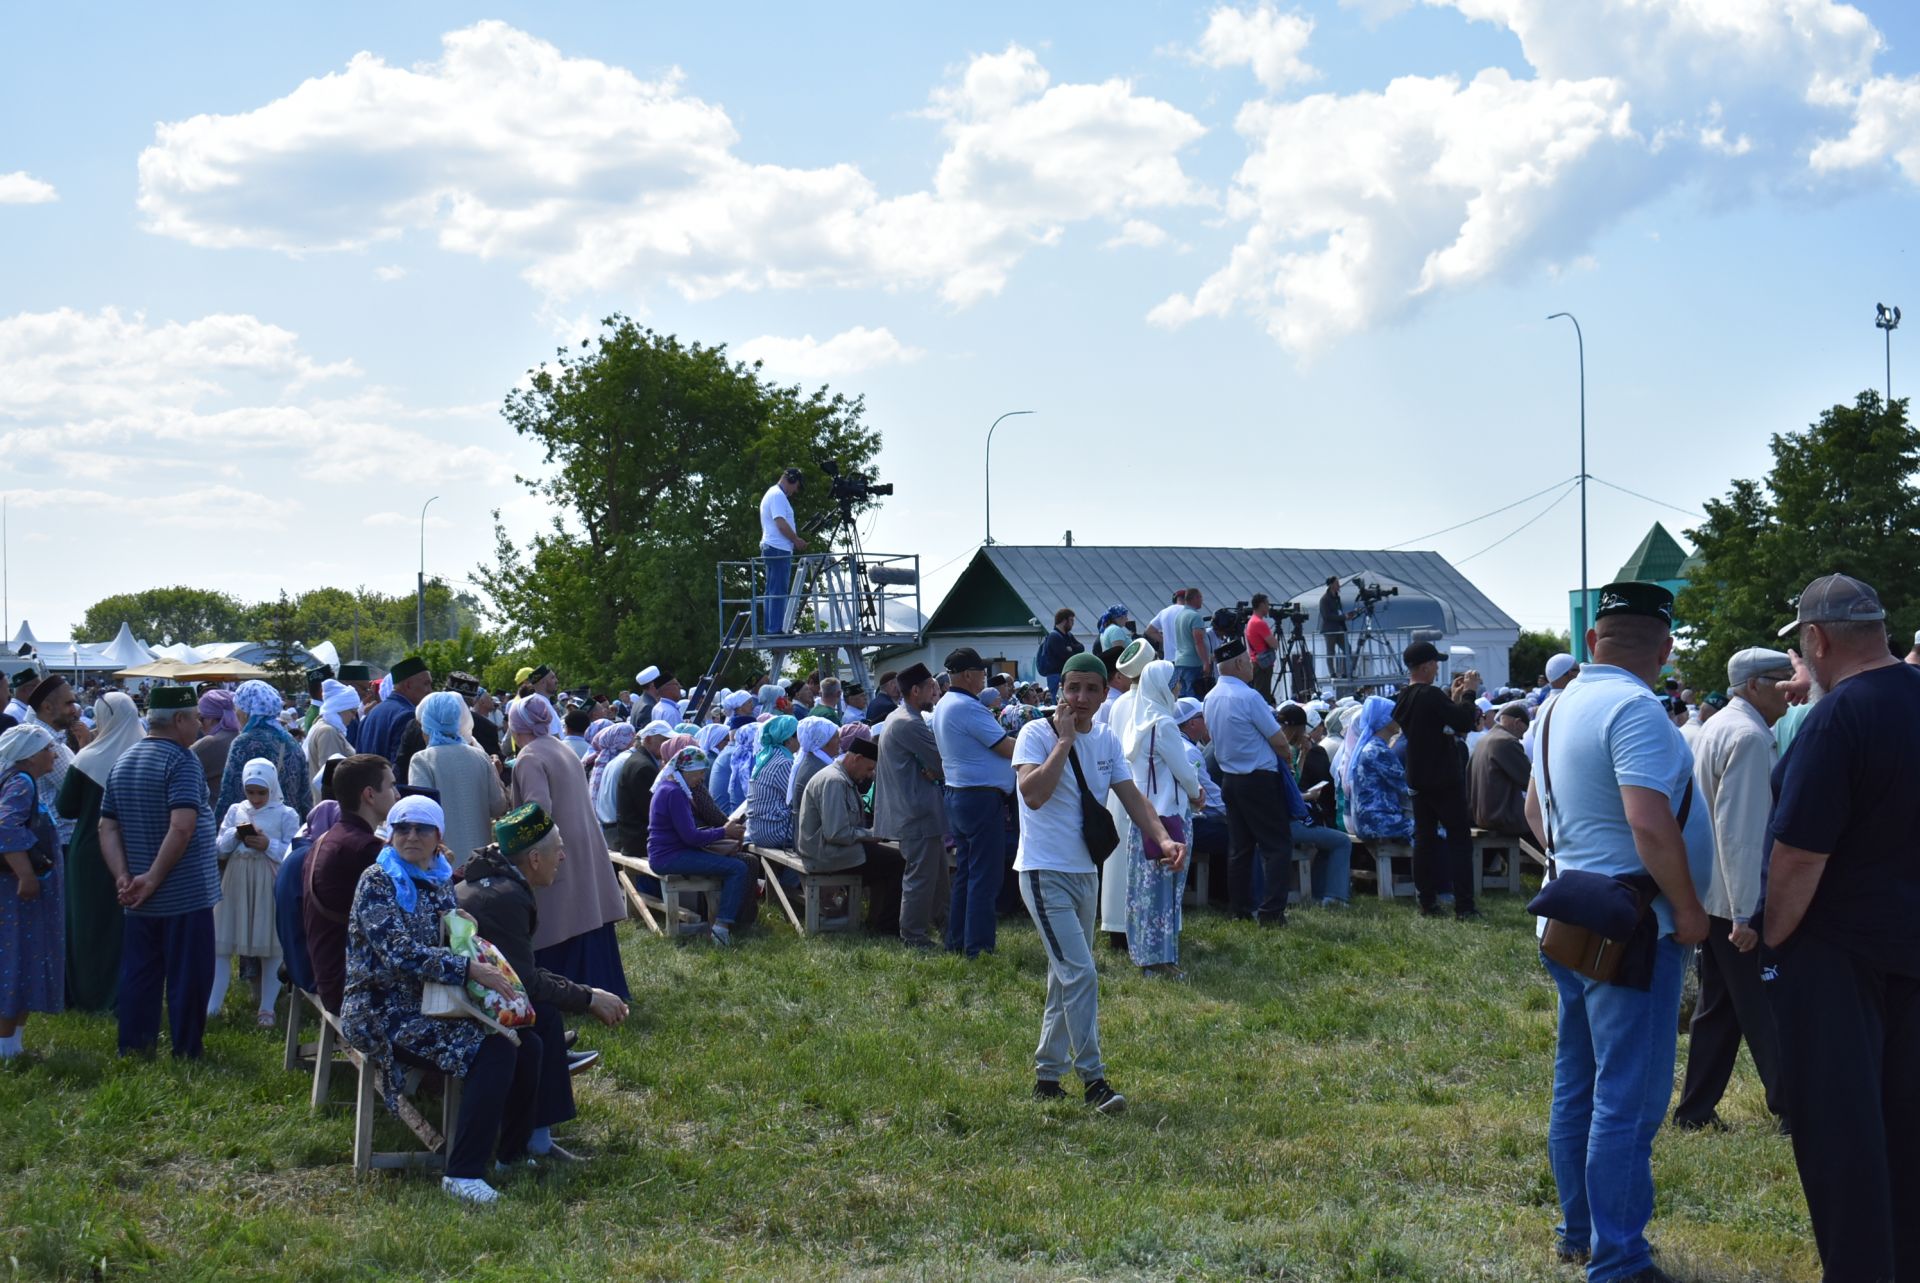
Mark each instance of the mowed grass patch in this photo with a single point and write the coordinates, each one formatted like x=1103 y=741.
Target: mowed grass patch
x=1359 y=1096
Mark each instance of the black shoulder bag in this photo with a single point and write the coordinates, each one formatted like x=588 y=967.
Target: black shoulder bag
x=1095 y=822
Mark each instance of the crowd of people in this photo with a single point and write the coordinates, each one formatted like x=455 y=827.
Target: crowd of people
x=168 y=851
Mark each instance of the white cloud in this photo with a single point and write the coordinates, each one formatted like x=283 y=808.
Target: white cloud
x=1263 y=38
x=847 y=352
x=591 y=178
x=108 y=394
x=1137 y=233
x=1360 y=206
x=389 y=272
x=212 y=509
x=22 y=188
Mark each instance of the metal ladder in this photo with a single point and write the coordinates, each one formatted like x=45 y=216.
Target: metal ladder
x=737 y=631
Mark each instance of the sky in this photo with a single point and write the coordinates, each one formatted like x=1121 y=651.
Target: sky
x=1266 y=275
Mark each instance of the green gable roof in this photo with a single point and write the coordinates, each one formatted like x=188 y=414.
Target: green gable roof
x=1658 y=557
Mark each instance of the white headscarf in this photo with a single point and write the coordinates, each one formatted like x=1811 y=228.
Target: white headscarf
x=337 y=698
x=262 y=773
x=1153 y=703
x=21 y=742
x=116 y=729
x=813 y=734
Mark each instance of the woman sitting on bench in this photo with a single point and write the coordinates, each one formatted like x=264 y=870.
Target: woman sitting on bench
x=393 y=949
x=675 y=841
x=1376 y=778
x=769 y=814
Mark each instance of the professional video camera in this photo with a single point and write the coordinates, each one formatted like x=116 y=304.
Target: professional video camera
x=1291 y=613
x=1231 y=621
x=1370 y=593
x=854 y=487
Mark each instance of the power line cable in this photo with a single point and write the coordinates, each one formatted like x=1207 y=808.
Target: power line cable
x=1482 y=517
x=1661 y=503
x=1571 y=487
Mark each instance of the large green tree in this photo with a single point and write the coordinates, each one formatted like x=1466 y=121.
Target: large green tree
x=658 y=453
x=190 y=615
x=1840 y=497
x=1528 y=658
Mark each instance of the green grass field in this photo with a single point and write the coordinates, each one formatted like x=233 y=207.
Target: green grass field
x=1360 y=1096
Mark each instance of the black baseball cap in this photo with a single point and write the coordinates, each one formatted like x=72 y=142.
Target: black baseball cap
x=793 y=475
x=1632 y=597
x=1421 y=652
x=963 y=659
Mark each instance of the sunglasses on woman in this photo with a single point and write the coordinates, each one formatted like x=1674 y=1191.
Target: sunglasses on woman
x=408 y=829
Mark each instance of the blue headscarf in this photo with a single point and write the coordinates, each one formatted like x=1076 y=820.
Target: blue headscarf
x=440 y=716
x=773 y=739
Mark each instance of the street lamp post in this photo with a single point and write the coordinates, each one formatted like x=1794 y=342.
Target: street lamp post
x=1887 y=319
x=1579 y=643
x=420 y=584
x=996 y=423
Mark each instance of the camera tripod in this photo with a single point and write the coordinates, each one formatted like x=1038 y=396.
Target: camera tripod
x=1370 y=655
x=1296 y=661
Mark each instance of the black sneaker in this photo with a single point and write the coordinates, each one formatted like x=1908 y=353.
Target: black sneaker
x=1712 y=1122
x=1567 y=1254
x=1048 y=1089
x=1652 y=1274
x=1469 y=915
x=1104 y=1098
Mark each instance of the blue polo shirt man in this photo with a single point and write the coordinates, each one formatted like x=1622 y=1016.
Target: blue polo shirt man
x=384 y=730
x=1247 y=743
x=156 y=836
x=1611 y=776
x=977 y=755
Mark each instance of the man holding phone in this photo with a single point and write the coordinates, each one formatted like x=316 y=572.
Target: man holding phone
x=1055 y=760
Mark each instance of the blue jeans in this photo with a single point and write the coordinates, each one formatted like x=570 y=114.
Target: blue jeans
x=977 y=819
x=1053 y=685
x=1612 y=1078
x=1333 y=866
x=773 y=617
x=707 y=864
x=1185 y=679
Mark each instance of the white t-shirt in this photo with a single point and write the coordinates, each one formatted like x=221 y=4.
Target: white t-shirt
x=776 y=504
x=1051 y=837
x=1164 y=622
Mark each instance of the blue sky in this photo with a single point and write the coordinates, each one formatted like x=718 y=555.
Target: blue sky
x=1268 y=274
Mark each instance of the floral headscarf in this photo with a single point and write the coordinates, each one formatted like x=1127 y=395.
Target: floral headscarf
x=1373 y=715
x=257 y=699
x=688 y=758
x=610 y=743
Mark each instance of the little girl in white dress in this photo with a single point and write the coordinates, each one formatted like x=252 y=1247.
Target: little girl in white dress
x=255 y=836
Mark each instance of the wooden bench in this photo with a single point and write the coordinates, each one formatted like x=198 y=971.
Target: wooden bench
x=1487 y=844
x=671 y=905
x=812 y=889
x=300 y=1054
x=367 y=1103
x=1387 y=857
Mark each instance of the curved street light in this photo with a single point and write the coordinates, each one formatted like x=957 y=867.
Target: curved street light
x=996 y=423
x=420 y=584
x=1579 y=643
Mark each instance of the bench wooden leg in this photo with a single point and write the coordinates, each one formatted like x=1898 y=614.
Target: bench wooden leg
x=1383 y=873
x=323 y=1054
x=639 y=903
x=296 y=1005
x=810 y=892
x=773 y=880
x=365 y=1101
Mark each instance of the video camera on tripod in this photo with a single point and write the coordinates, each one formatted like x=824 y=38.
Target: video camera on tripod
x=1371 y=593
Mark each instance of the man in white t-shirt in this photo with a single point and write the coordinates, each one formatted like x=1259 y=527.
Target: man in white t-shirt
x=1160 y=627
x=779 y=540
x=1058 y=877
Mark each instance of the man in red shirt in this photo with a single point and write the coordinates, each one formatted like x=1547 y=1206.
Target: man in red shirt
x=363 y=785
x=1263 y=645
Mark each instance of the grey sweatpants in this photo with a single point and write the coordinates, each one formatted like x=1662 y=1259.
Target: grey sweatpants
x=923 y=885
x=1065 y=906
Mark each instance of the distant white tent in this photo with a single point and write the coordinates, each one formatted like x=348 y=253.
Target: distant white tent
x=180 y=651
x=24 y=637
x=123 y=651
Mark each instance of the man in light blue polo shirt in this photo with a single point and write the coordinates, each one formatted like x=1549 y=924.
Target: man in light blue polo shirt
x=977 y=755
x=1247 y=746
x=1610 y=776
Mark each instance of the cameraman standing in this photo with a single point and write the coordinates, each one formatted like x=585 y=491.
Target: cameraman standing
x=1333 y=629
x=1434 y=723
x=779 y=540
x=1262 y=645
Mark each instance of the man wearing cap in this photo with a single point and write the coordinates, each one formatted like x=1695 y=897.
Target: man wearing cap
x=1262 y=644
x=633 y=796
x=1611 y=793
x=1497 y=774
x=360 y=677
x=1733 y=760
x=975 y=754
x=1248 y=743
x=886 y=698
x=384 y=730
x=1331 y=873
x=1059 y=878
x=908 y=806
x=52 y=704
x=156 y=836
x=1434 y=723
x=1840 y=960
x=1561 y=670
x=316 y=691
x=779 y=540
x=497 y=887
x=831 y=833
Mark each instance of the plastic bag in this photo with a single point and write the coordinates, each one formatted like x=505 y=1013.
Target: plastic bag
x=464 y=938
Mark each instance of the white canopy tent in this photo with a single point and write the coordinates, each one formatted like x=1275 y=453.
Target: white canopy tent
x=123 y=651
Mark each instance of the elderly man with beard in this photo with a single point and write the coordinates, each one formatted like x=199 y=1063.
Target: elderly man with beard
x=52 y=704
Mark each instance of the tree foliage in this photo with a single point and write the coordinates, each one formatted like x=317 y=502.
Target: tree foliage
x=659 y=453
x=1528 y=658
x=190 y=615
x=1840 y=497
x=277 y=630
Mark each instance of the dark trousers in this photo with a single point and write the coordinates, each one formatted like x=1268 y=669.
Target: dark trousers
x=977 y=819
x=173 y=954
x=882 y=872
x=1849 y=1033
x=1436 y=859
x=1257 y=822
x=1732 y=1005
x=1263 y=682
x=497 y=1101
x=553 y=1102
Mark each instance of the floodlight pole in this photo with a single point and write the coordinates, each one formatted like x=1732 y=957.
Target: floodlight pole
x=1888 y=321
x=996 y=423
x=1579 y=643
x=420 y=585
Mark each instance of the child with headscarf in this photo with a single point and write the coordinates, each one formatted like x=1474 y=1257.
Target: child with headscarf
x=255 y=835
x=1375 y=777
x=1167 y=778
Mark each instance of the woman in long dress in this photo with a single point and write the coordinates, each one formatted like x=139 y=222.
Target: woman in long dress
x=470 y=792
x=1167 y=779
x=579 y=911
x=94 y=920
x=32 y=930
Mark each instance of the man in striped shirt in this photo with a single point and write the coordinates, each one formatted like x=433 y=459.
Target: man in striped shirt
x=156 y=835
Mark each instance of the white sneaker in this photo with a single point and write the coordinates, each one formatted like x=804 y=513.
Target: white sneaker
x=470 y=1189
